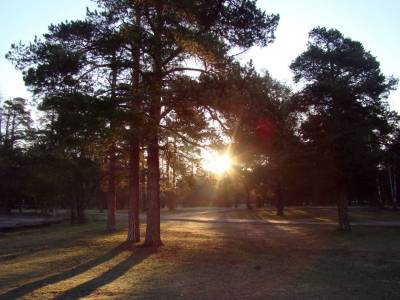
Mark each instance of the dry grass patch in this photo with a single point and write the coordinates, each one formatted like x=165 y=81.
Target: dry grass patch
x=202 y=261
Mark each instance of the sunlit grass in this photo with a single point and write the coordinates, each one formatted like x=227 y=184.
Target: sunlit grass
x=201 y=261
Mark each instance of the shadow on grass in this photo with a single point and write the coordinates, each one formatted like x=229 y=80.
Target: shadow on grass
x=109 y=276
x=88 y=287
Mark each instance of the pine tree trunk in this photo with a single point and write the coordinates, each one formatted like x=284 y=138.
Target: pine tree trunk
x=80 y=211
x=280 y=206
x=112 y=192
x=134 y=159
x=248 y=200
x=133 y=214
x=381 y=203
x=343 y=215
x=153 y=238
x=73 y=210
x=143 y=194
x=393 y=185
x=112 y=189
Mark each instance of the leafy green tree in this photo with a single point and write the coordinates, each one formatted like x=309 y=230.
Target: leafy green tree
x=79 y=61
x=16 y=134
x=16 y=123
x=171 y=33
x=343 y=100
x=262 y=121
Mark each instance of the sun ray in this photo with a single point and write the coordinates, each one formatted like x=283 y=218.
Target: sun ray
x=216 y=163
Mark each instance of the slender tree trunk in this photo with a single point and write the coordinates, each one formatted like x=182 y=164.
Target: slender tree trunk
x=73 y=210
x=169 y=194
x=381 y=203
x=143 y=184
x=248 y=200
x=153 y=235
x=134 y=159
x=342 y=203
x=393 y=185
x=112 y=191
x=80 y=211
x=133 y=215
x=280 y=206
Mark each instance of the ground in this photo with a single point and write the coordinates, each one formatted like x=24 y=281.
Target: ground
x=206 y=259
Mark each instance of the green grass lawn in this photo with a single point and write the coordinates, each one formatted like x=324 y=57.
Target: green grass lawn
x=201 y=261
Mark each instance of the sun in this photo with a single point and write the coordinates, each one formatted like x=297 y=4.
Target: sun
x=216 y=163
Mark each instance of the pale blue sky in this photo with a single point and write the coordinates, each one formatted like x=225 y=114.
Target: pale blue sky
x=375 y=23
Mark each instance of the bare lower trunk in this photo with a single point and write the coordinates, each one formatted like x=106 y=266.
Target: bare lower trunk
x=248 y=200
x=143 y=193
x=80 y=212
x=343 y=214
x=393 y=185
x=153 y=237
x=381 y=202
x=280 y=206
x=112 y=192
x=133 y=214
x=73 y=211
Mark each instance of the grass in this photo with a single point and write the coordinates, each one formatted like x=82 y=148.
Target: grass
x=316 y=214
x=201 y=261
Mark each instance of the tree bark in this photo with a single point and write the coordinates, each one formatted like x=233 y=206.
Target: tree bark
x=112 y=191
x=73 y=209
x=143 y=194
x=80 y=210
x=248 y=200
x=153 y=237
x=134 y=160
x=133 y=214
x=393 y=184
x=381 y=203
x=280 y=206
x=343 y=215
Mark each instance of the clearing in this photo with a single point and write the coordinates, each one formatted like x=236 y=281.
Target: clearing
x=206 y=260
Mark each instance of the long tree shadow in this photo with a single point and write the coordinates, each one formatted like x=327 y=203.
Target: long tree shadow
x=32 y=286
x=109 y=276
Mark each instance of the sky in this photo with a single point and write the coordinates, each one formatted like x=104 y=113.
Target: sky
x=375 y=23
